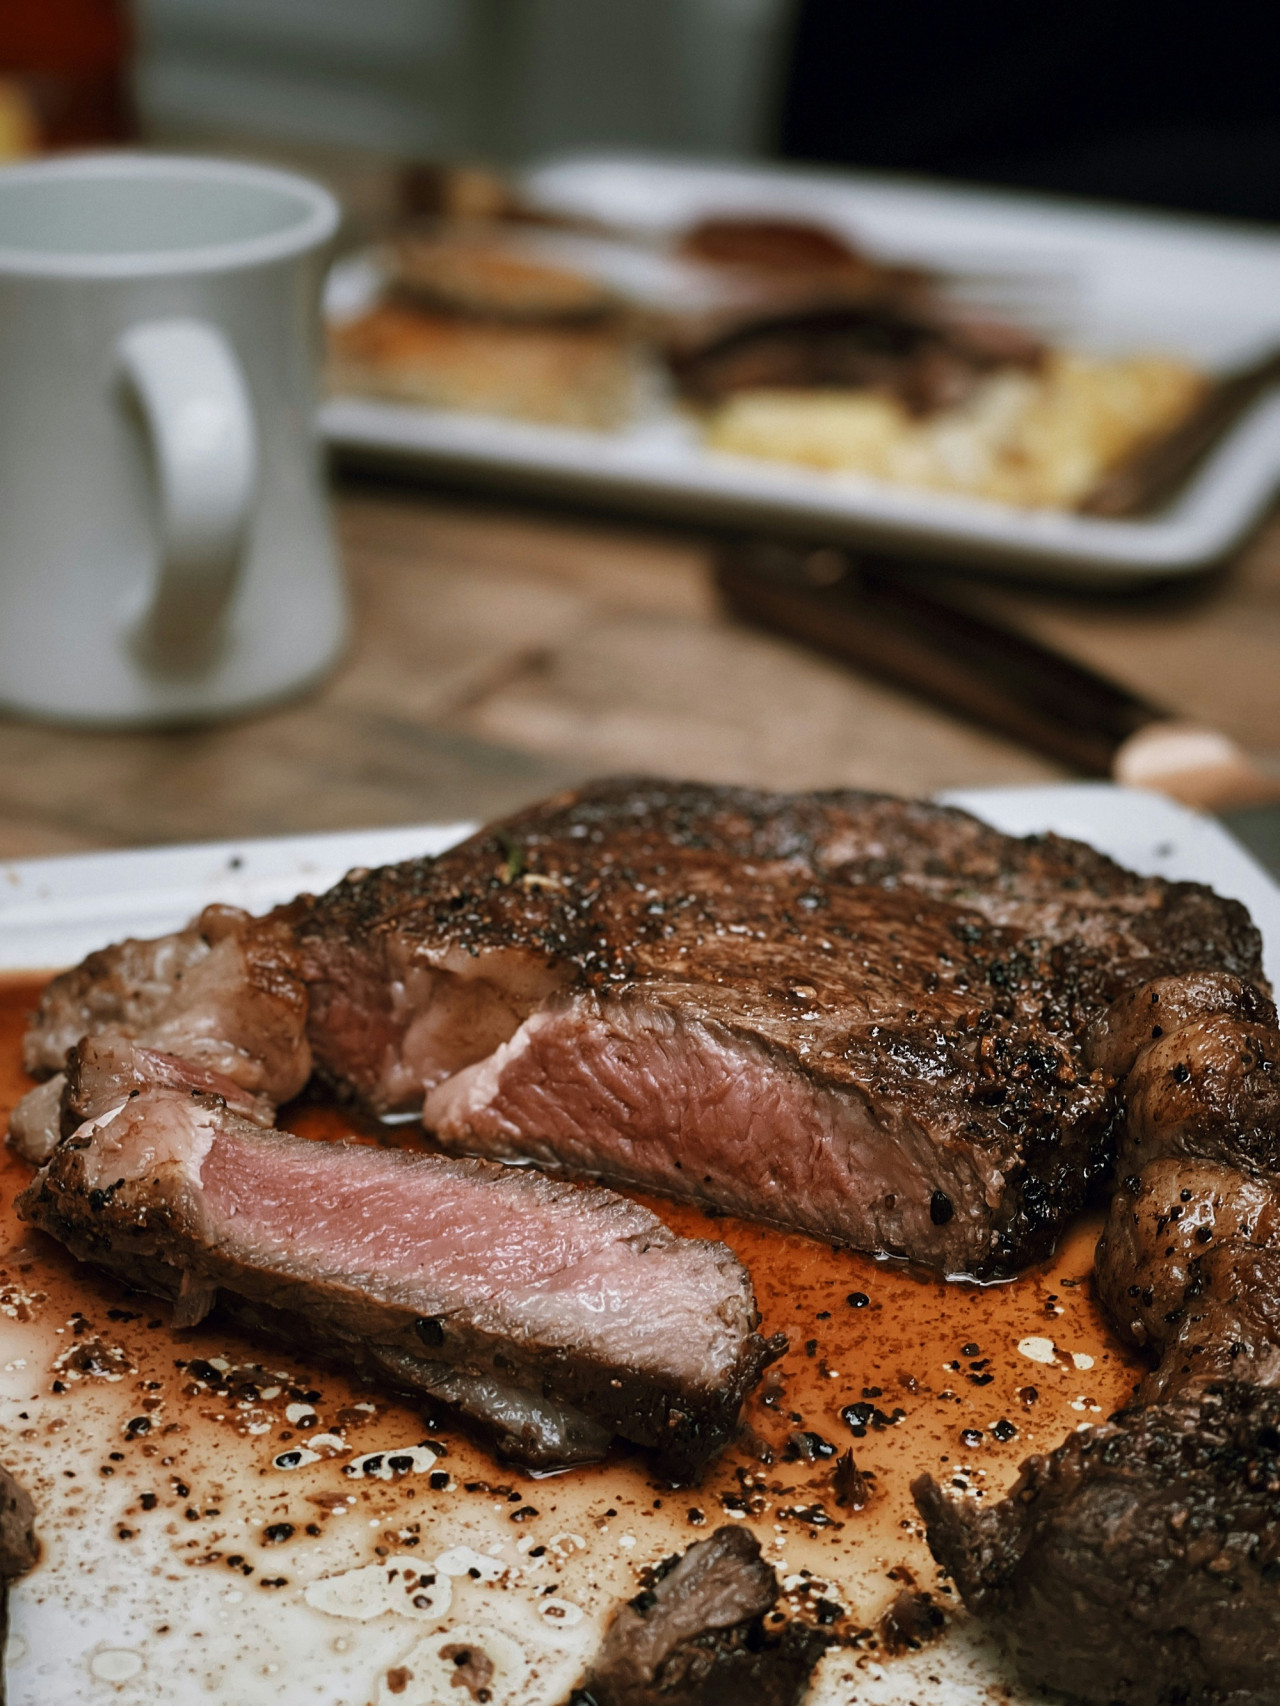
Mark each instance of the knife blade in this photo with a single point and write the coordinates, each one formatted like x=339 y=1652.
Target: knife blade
x=873 y=612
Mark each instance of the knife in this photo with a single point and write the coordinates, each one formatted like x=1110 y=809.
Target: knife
x=883 y=617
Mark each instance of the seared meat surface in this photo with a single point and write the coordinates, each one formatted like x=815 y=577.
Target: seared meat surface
x=842 y=1013
x=103 y=1071
x=559 y=1315
x=697 y=1636
x=1138 y=1563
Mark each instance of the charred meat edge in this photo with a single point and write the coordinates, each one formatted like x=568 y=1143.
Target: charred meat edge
x=1138 y=1563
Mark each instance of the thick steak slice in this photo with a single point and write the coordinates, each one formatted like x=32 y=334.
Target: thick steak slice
x=697 y=1636
x=1137 y=1564
x=421 y=1270
x=842 y=1013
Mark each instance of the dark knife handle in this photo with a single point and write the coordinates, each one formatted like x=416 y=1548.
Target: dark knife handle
x=877 y=614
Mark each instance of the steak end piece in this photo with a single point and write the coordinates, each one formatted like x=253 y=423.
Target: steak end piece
x=1139 y=1563
x=560 y=1315
x=697 y=1636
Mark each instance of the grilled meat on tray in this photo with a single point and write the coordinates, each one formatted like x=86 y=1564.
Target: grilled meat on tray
x=841 y=1013
x=555 y=1315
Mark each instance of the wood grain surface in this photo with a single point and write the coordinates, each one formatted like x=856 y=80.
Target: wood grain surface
x=499 y=651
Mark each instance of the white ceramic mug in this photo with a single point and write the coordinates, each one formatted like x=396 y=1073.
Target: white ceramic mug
x=165 y=545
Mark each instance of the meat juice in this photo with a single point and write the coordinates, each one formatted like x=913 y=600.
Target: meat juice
x=235 y=1504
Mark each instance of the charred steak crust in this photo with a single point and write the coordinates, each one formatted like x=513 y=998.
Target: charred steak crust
x=1139 y=1563
x=696 y=1637
x=156 y=1230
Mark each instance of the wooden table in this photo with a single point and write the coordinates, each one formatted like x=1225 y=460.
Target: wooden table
x=499 y=651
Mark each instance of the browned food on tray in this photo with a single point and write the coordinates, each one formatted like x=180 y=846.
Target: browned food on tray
x=472 y=319
x=775 y=245
x=697 y=1636
x=927 y=358
x=1136 y=1565
x=811 y=312
x=467 y=273
x=840 y=1013
x=557 y=1315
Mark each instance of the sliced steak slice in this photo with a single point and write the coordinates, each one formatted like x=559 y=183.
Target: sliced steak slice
x=1137 y=1564
x=224 y=993
x=697 y=1636
x=419 y=1268
x=1153 y=1010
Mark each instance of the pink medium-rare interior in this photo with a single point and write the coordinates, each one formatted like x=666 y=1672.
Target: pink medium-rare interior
x=511 y=1251
x=641 y=1094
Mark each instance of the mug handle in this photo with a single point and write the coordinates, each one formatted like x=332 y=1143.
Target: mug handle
x=195 y=403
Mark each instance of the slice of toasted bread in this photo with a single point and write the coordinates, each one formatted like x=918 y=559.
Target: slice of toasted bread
x=580 y=376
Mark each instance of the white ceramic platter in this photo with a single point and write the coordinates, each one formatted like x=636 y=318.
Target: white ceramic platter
x=144 y=1619
x=1105 y=280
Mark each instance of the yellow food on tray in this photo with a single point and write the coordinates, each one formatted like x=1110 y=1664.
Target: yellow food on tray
x=1039 y=437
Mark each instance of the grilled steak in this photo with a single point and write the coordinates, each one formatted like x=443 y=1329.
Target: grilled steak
x=1137 y=1564
x=18 y=1549
x=561 y=1315
x=697 y=1636
x=867 y=1010
x=841 y=1013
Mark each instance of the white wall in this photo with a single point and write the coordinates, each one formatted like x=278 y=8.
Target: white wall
x=501 y=79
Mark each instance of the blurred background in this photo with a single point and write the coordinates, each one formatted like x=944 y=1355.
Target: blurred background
x=504 y=646
x=1170 y=105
